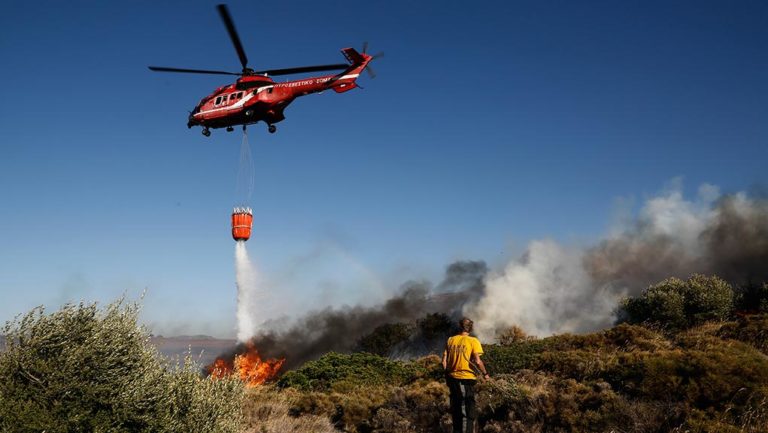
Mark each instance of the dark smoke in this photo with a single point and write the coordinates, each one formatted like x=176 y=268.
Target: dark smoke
x=732 y=243
x=737 y=242
x=340 y=329
x=554 y=288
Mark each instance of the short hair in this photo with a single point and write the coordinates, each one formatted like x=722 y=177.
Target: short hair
x=466 y=324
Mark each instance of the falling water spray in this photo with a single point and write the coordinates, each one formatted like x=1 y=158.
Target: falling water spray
x=247 y=293
x=245 y=271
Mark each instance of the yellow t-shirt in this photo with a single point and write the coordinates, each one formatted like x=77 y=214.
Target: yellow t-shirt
x=459 y=351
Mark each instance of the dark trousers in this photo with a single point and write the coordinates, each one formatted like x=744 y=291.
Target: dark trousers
x=462 y=403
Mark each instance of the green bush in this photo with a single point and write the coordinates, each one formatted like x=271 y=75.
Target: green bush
x=384 y=338
x=336 y=370
x=628 y=378
x=511 y=335
x=435 y=326
x=752 y=298
x=676 y=304
x=500 y=359
x=86 y=369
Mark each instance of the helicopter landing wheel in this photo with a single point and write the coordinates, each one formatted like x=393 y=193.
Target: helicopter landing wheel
x=207 y=132
x=272 y=129
x=230 y=129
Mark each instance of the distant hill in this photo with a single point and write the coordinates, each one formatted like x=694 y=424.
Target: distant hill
x=203 y=348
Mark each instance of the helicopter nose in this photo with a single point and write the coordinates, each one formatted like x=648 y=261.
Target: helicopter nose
x=191 y=121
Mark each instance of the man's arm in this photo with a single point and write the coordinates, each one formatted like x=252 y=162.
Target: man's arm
x=479 y=363
x=445 y=359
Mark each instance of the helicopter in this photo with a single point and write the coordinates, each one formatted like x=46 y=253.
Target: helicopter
x=255 y=97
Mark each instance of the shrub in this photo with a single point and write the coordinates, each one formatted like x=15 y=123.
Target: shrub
x=420 y=337
x=435 y=326
x=752 y=298
x=86 y=369
x=350 y=408
x=677 y=304
x=384 y=338
x=416 y=408
x=513 y=334
x=512 y=357
x=412 y=402
x=334 y=370
x=707 y=299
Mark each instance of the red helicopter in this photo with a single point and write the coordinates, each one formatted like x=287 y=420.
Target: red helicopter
x=255 y=97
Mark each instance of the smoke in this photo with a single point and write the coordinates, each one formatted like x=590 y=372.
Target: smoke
x=340 y=329
x=546 y=291
x=247 y=293
x=556 y=289
x=552 y=288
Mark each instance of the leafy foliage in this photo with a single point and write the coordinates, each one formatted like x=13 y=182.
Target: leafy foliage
x=435 y=326
x=628 y=378
x=513 y=334
x=422 y=336
x=752 y=298
x=335 y=370
x=384 y=338
x=677 y=304
x=86 y=369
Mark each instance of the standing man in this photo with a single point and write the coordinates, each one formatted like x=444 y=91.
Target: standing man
x=461 y=360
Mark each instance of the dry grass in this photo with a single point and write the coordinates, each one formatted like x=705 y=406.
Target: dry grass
x=268 y=410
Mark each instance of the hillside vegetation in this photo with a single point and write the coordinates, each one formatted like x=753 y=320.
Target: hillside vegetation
x=711 y=378
x=688 y=356
x=682 y=360
x=86 y=369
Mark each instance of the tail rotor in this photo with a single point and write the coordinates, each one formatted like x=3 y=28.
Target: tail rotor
x=378 y=55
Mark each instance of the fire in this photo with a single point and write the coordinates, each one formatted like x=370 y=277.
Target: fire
x=248 y=366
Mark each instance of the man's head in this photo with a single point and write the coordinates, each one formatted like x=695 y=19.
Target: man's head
x=465 y=325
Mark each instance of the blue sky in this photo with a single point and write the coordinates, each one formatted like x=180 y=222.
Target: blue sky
x=489 y=125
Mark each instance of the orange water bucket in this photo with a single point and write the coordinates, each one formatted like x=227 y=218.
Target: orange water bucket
x=242 y=220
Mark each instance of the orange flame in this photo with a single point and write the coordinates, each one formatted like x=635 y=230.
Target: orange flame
x=248 y=366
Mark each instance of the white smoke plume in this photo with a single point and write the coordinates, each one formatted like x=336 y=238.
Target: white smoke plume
x=248 y=293
x=554 y=288
x=547 y=291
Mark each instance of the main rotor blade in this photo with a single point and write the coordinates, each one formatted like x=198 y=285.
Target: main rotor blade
x=191 y=71
x=288 y=71
x=224 y=12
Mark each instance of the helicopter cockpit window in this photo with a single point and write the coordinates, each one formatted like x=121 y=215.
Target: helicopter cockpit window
x=218 y=100
x=239 y=95
x=232 y=96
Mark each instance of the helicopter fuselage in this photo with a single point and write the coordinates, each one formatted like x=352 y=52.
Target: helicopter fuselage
x=255 y=97
x=258 y=98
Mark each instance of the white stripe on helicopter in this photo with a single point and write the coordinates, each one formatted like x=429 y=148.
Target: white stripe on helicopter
x=250 y=95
